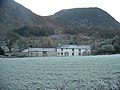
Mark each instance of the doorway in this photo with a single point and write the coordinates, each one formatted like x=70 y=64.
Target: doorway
x=66 y=54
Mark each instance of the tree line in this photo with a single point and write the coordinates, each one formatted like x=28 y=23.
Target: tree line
x=100 y=45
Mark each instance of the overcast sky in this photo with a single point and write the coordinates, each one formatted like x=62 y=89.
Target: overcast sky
x=49 y=7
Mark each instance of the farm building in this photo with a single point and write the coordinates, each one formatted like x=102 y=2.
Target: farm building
x=61 y=50
x=40 y=52
x=73 y=50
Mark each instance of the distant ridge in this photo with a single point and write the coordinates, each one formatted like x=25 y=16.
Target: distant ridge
x=87 y=17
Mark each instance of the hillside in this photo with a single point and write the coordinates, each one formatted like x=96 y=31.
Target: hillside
x=69 y=21
x=86 y=17
x=14 y=15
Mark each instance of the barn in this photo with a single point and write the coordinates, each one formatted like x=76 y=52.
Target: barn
x=40 y=52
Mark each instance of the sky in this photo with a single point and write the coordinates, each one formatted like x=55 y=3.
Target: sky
x=49 y=7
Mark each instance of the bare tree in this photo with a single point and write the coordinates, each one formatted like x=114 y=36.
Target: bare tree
x=22 y=43
x=116 y=43
x=10 y=40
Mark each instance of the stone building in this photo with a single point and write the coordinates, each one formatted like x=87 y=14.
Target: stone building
x=40 y=52
x=61 y=50
x=73 y=50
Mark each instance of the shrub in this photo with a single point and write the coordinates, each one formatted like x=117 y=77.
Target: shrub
x=2 y=51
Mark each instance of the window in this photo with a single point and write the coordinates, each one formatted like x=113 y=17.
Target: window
x=72 y=49
x=72 y=54
x=62 y=53
x=79 y=54
x=58 y=53
x=79 y=49
x=61 y=49
x=44 y=53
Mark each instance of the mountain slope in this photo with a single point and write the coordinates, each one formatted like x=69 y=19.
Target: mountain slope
x=86 y=17
x=14 y=15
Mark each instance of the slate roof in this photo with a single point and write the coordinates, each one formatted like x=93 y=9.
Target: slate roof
x=74 y=46
x=39 y=50
x=59 y=47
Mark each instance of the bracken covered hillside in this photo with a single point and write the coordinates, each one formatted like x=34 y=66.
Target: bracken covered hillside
x=14 y=15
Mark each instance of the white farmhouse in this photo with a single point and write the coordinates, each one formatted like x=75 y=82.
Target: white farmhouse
x=73 y=50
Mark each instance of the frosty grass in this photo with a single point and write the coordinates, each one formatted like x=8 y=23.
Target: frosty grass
x=58 y=73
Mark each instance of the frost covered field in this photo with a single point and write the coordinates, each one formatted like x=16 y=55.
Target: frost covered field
x=59 y=73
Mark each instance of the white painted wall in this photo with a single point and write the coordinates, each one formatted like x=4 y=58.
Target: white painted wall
x=70 y=51
x=76 y=52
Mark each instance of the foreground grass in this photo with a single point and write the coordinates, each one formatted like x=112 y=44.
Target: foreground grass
x=60 y=73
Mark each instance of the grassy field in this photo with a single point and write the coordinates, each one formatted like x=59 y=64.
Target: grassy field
x=60 y=73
